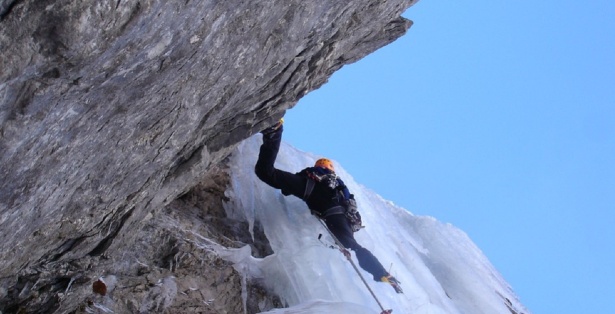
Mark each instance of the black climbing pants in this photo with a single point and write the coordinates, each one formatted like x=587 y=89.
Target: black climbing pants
x=340 y=227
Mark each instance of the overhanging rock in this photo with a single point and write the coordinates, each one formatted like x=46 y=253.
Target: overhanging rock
x=110 y=110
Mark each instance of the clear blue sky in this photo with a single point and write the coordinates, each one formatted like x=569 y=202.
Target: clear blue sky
x=498 y=117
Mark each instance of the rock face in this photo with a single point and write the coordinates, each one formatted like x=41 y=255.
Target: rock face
x=115 y=120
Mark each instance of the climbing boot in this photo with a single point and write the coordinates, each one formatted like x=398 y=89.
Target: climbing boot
x=393 y=282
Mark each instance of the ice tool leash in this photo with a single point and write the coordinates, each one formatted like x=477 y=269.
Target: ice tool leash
x=356 y=269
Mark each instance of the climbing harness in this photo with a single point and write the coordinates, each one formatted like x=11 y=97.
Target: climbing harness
x=349 y=210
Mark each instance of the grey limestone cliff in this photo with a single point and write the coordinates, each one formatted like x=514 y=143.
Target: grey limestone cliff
x=115 y=120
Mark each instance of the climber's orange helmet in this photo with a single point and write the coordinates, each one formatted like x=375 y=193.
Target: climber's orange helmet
x=324 y=163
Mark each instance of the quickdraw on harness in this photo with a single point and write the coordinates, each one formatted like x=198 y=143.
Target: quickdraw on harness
x=349 y=205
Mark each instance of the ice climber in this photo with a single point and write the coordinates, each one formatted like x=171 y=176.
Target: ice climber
x=325 y=194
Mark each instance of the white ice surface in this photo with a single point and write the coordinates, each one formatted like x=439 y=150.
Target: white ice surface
x=440 y=268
